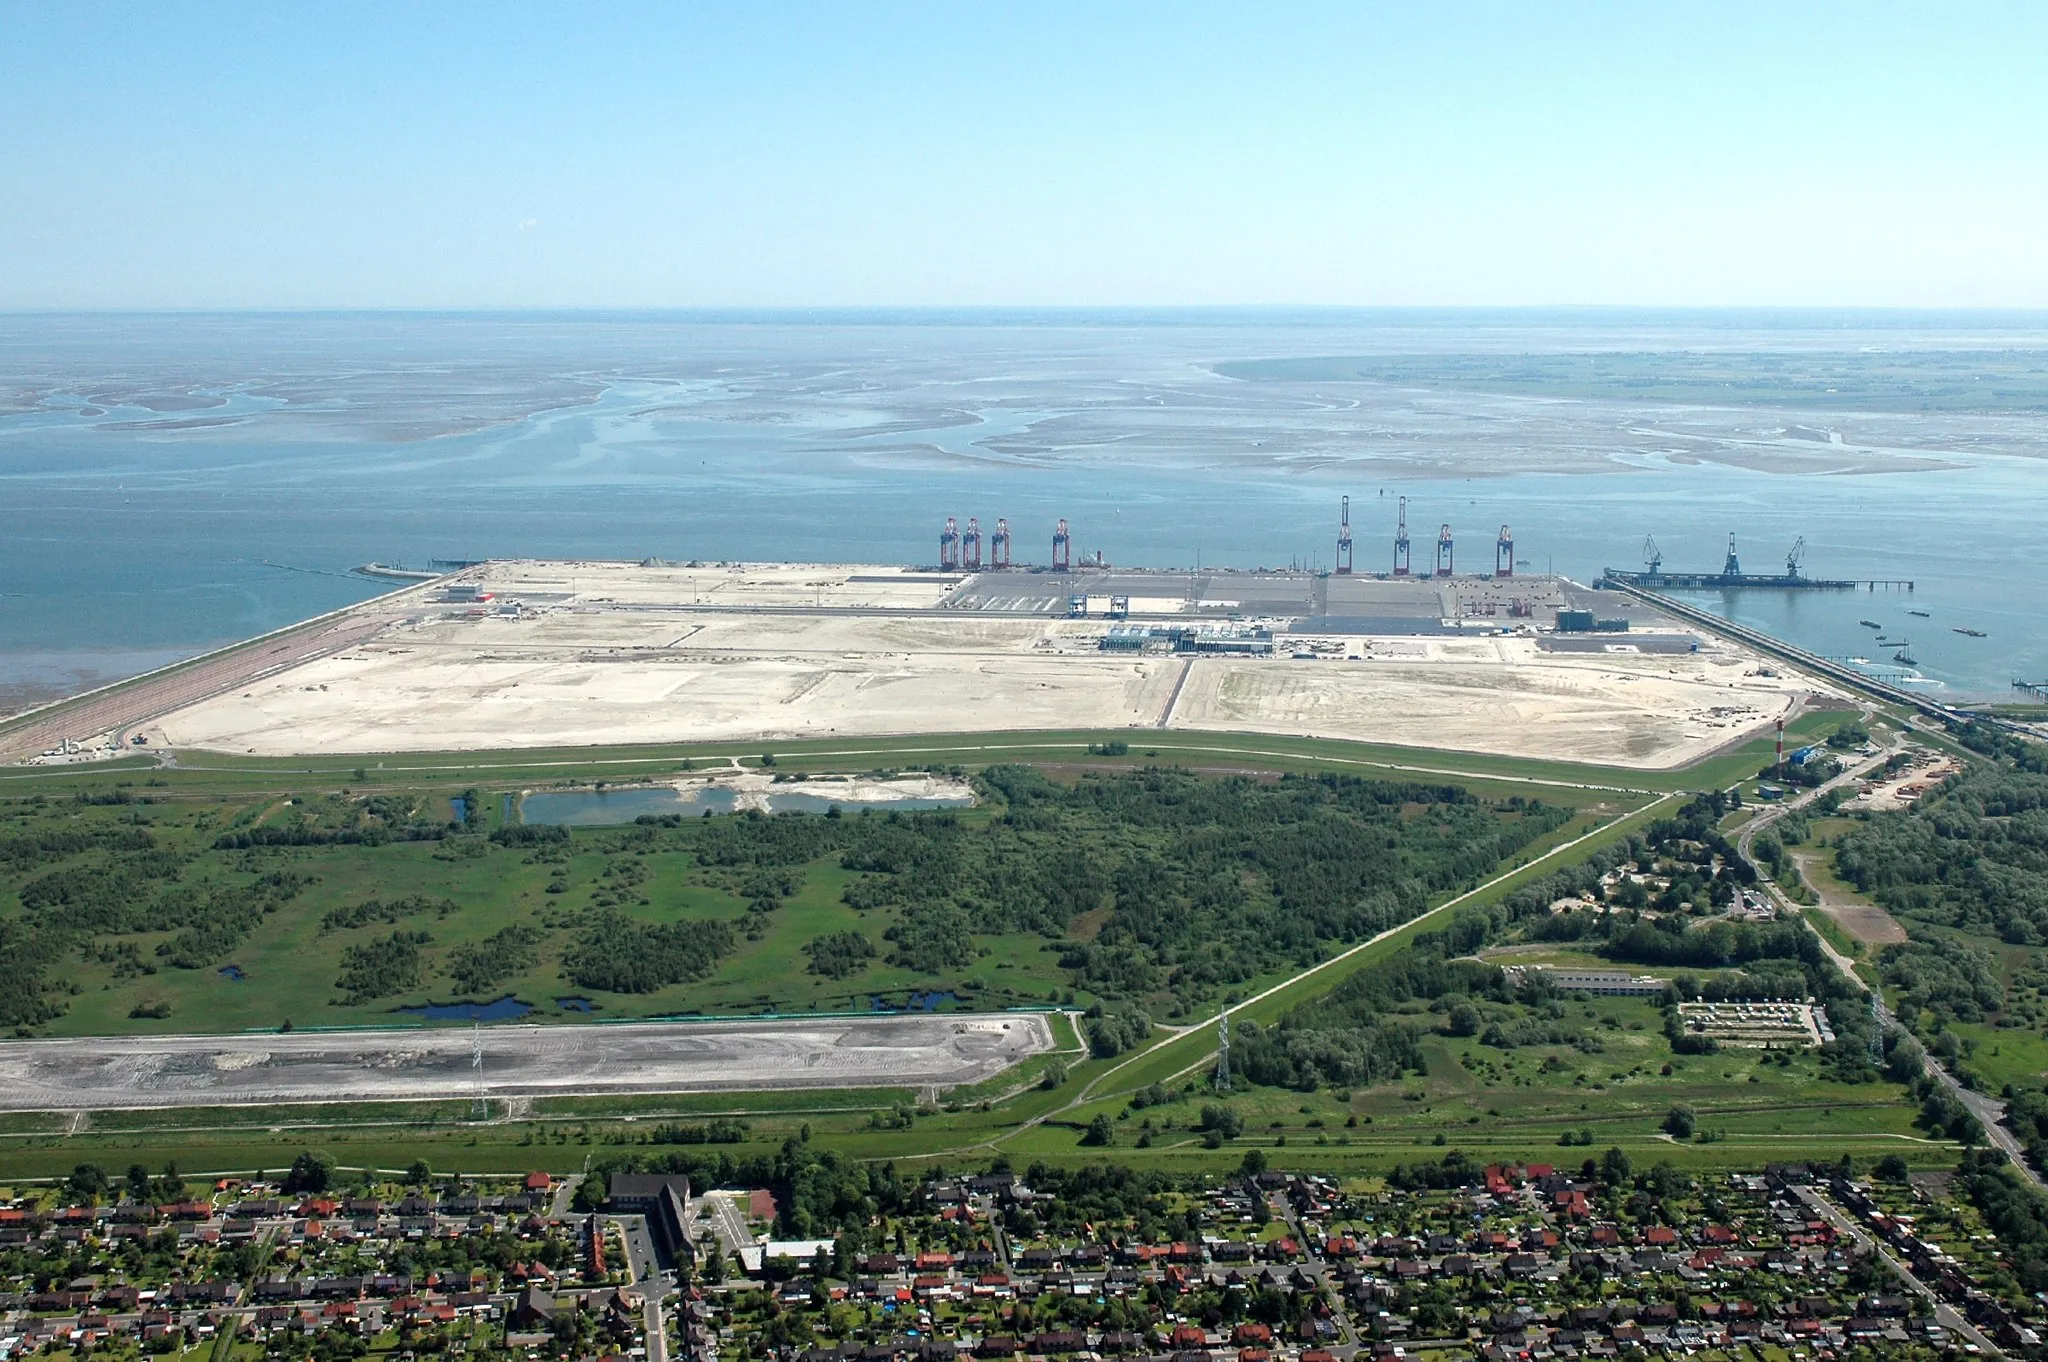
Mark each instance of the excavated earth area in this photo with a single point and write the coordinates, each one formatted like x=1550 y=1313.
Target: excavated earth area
x=589 y=654
x=113 y=1072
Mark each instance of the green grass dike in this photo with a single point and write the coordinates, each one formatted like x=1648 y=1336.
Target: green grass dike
x=1141 y=889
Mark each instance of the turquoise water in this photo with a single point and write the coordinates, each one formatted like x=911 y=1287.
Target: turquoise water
x=168 y=484
x=601 y=808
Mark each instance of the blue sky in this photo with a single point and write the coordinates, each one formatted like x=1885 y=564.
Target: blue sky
x=409 y=155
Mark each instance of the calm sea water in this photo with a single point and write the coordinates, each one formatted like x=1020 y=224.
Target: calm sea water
x=168 y=484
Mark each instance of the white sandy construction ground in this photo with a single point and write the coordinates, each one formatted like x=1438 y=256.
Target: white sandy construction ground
x=615 y=654
x=110 y=1072
x=757 y=789
x=1498 y=696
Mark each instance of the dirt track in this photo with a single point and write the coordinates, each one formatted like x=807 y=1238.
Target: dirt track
x=1864 y=921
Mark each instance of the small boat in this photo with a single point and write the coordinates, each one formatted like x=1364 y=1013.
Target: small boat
x=1970 y=633
x=1921 y=613
x=1870 y=624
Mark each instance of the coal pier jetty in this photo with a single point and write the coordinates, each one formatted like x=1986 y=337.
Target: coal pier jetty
x=1653 y=577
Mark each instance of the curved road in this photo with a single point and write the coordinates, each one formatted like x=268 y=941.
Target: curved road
x=1989 y=1111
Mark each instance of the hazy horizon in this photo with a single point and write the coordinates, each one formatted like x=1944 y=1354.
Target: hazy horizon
x=230 y=156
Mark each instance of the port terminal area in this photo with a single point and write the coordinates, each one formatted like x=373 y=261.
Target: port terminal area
x=545 y=653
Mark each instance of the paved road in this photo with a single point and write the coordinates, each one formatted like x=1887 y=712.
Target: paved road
x=1850 y=774
x=657 y=1327
x=727 y=1223
x=1095 y=1086
x=1211 y=1023
x=1944 y=1315
x=124 y=705
x=640 y=1254
x=1347 y=1344
x=654 y=1283
x=1989 y=1111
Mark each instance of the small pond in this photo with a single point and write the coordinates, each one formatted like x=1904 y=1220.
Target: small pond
x=918 y=1001
x=597 y=808
x=232 y=972
x=576 y=1004
x=507 y=1008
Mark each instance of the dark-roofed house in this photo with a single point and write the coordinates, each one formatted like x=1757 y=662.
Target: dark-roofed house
x=664 y=1198
x=636 y=1193
x=535 y=1309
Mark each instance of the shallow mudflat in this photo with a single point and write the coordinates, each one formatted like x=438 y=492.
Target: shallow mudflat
x=519 y=1061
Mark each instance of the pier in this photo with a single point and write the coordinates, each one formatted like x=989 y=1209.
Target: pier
x=1731 y=577
x=1743 y=581
x=1876 y=672
x=394 y=572
x=1848 y=675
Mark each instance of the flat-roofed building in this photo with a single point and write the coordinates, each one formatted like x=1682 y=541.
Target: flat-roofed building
x=1605 y=983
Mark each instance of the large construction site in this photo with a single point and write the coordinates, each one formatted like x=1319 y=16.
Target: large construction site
x=107 y=1073
x=523 y=654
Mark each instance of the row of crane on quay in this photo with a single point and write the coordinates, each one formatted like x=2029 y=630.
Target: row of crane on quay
x=1446 y=548
x=961 y=550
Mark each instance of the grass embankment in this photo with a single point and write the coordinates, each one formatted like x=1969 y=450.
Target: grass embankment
x=206 y=771
x=1168 y=1059
x=1471 y=1098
